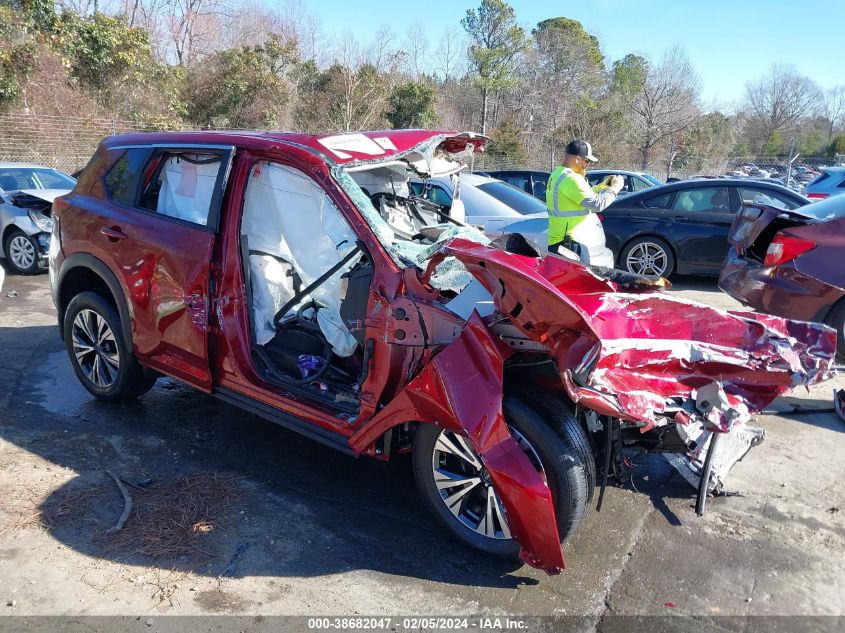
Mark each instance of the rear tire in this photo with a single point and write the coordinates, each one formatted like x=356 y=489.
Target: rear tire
x=102 y=360
x=562 y=456
x=648 y=256
x=836 y=319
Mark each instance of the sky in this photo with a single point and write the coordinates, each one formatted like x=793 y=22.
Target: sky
x=728 y=42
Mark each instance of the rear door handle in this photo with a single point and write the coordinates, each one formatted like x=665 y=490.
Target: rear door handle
x=113 y=233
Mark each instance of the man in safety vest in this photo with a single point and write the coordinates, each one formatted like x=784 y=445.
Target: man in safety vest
x=573 y=205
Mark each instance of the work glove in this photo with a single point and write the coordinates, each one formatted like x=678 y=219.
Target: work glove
x=615 y=183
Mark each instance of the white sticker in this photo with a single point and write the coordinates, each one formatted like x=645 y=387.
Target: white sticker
x=385 y=142
x=358 y=143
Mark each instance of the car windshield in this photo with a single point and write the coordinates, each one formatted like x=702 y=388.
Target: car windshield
x=516 y=199
x=14 y=178
x=652 y=179
x=828 y=209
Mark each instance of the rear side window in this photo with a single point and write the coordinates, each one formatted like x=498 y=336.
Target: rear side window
x=516 y=199
x=181 y=185
x=659 y=202
x=767 y=197
x=703 y=199
x=639 y=184
x=122 y=179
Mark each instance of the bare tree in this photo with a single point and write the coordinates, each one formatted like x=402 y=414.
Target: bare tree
x=416 y=50
x=191 y=24
x=833 y=109
x=782 y=98
x=451 y=48
x=666 y=104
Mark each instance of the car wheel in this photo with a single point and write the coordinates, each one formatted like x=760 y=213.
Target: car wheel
x=102 y=360
x=21 y=252
x=836 y=320
x=456 y=487
x=648 y=256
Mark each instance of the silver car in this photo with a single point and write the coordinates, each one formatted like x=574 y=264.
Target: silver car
x=634 y=180
x=830 y=182
x=26 y=197
x=501 y=208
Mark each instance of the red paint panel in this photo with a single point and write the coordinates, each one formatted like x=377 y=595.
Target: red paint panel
x=653 y=347
x=461 y=389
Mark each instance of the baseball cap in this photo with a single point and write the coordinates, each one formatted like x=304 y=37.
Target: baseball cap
x=578 y=147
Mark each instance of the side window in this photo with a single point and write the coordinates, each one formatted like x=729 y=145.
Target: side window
x=594 y=179
x=703 y=199
x=638 y=184
x=182 y=184
x=659 y=202
x=520 y=182
x=122 y=179
x=439 y=196
x=764 y=196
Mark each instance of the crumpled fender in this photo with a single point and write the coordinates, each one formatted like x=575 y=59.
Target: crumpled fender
x=460 y=389
x=632 y=354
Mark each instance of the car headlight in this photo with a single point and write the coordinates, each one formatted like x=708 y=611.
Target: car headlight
x=41 y=221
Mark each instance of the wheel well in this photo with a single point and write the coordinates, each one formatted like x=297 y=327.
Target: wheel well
x=6 y=233
x=82 y=279
x=648 y=235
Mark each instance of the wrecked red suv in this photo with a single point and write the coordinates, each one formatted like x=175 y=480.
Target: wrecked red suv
x=299 y=278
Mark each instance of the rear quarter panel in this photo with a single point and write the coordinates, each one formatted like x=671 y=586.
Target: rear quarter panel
x=625 y=222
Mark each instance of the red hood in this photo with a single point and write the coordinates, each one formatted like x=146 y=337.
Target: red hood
x=638 y=354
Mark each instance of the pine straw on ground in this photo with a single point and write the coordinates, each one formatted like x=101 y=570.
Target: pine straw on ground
x=174 y=519
x=27 y=509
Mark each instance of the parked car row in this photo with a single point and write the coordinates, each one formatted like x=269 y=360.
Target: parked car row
x=771 y=248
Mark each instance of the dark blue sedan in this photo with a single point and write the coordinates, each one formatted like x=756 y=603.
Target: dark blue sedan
x=683 y=227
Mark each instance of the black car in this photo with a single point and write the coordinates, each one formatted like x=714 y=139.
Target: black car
x=683 y=227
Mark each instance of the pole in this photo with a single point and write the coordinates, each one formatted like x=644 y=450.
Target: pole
x=789 y=162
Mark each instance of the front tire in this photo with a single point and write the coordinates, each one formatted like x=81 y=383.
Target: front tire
x=456 y=488
x=102 y=360
x=21 y=252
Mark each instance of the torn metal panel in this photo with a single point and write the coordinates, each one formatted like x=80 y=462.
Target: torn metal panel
x=460 y=389
x=654 y=351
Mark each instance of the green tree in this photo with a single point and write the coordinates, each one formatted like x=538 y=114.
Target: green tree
x=412 y=106
x=104 y=51
x=505 y=142
x=567 y=45
x=629 y=75
x=773 y=145
x=245 y=87
x=837 y=146
x=16 y=64
x=496 y=41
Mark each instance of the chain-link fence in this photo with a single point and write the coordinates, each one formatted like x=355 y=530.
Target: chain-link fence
x=67 y=143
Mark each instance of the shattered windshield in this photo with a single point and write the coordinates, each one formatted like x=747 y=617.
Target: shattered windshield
x=449 y=275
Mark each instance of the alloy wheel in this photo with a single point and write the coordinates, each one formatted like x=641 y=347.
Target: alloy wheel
x=95 y=348
x=647 y=258
x=21 y=252
x=465 y=486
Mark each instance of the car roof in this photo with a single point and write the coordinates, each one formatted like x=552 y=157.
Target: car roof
x=621 y=172
x=707 y=183
x=339 y=149
x=10 y=165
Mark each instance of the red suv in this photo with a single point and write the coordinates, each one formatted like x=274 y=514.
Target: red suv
x=299 y=278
